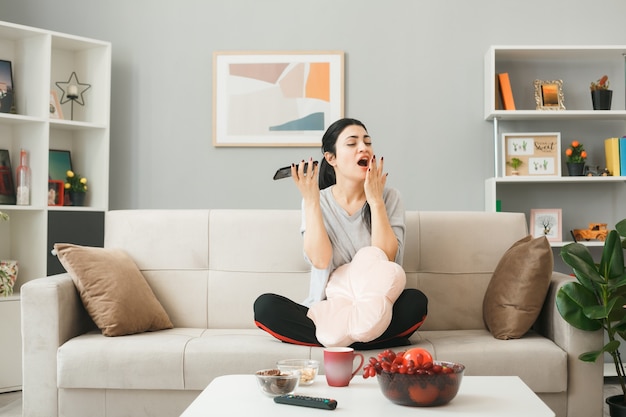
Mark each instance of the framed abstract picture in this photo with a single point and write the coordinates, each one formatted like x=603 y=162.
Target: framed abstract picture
x=276 y=98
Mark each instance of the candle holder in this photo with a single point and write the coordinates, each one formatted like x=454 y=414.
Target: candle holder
x=72 y=91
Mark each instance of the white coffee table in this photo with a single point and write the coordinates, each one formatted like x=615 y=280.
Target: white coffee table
x=484 y=396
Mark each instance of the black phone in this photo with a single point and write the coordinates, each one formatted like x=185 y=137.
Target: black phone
x=285 y=172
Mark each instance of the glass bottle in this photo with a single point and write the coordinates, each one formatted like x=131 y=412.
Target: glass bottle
x=23 y=181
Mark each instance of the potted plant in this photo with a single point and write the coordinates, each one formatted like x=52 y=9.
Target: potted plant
x=515 y=163
x=600 y=94
x=77 y=188
x=597 y=299
x=576 y=156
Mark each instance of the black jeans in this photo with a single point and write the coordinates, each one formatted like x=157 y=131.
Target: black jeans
x=287 y=320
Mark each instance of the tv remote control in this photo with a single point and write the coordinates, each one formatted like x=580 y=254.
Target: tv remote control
x=306 y=401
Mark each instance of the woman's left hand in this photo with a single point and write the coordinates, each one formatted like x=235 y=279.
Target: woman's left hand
x=375 y=180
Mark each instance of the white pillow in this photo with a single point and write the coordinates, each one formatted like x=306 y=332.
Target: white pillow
x=359 y=299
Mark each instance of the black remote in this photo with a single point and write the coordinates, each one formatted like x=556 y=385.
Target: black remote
x=306 y=401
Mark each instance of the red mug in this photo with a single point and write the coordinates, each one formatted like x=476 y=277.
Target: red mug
x=339 y=365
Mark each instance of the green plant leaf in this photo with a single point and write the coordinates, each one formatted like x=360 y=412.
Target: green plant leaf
x=571 y=300
x=590 y=356
x=621 y=228
x=579 y=258
x=612 y=263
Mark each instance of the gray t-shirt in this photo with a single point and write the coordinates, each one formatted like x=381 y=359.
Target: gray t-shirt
x=348 y=234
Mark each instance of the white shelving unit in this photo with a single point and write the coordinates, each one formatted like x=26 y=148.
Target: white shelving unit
x=582 y=199
x=39 y=59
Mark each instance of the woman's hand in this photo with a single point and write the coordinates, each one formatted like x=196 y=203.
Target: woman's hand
x=375 y=180
x=306 y=183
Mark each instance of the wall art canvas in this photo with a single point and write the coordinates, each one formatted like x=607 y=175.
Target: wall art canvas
x=276 y=98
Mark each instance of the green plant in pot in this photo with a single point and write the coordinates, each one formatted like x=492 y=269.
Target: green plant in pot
x=576 y=155
x=597 y=298
x=601 y=96
x=515 y=163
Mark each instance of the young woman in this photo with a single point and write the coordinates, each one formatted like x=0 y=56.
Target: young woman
x=347 y=209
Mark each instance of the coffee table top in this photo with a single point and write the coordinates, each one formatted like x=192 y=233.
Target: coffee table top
x=484 y=396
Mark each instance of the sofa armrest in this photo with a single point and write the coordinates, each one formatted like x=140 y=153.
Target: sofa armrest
x=52 y=313
x=584 y=391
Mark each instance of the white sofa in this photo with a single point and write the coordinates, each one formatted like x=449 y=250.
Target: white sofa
x=207 y=267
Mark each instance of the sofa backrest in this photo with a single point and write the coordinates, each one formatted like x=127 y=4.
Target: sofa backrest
x=208 y=266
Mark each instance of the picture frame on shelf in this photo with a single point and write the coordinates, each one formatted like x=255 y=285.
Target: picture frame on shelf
x=549 y=95
x=56 y=192
x=55 y=107
x=548 y=223
x=59 y=162
x=6 y=87
x=276 y=98
x=7 y=188
x=537 y=154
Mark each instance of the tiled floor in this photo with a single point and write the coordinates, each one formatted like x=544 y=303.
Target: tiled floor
x=11 y=402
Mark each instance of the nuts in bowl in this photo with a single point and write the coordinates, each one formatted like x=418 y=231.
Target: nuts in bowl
x=274 y=382
x=412 y=378
x=308 y=368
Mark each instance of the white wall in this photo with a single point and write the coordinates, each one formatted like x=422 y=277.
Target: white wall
x=414 y=75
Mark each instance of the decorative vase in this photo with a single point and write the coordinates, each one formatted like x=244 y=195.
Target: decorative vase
x=601 y=99
x=617 y=408
x=77 y=199
x=8 y=276
x=576 y=169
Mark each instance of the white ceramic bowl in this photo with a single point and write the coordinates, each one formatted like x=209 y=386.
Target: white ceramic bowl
x=308 y=368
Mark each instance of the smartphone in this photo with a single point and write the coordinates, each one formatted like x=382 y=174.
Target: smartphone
x=285 y=172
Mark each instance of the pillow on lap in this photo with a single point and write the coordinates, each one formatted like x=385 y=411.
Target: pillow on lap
x=113 y=290
x=518 y=288
x=359 y=299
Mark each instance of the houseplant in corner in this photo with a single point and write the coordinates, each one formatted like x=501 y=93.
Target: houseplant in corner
x=596 y=301
x=576 y=156
x=600 y=94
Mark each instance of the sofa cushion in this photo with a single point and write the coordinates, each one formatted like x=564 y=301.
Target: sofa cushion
x=359 y=299
x=113 y=290
x=518 y=288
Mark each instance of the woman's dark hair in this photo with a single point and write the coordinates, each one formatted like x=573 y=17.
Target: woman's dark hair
x=327 y=172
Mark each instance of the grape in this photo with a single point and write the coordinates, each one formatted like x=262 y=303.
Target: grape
x=392 y=362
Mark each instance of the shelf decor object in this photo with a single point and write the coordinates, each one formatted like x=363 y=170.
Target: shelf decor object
x=7 y=188
x=276 y=98
x=549 y=95
x=546 y=222
x=73 y=91
x=6 y=87
x=532 y=154
x=601 y=96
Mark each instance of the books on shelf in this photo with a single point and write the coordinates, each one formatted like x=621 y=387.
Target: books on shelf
x=506 y=93
x=622 y=155
x=611 y=150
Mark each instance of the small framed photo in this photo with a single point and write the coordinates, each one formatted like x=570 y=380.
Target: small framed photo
x=549 y=95
x=55 y=106
x=6 y=87
x=546 y=222
x=56 y=193
x=531 y=154
x=7 y=190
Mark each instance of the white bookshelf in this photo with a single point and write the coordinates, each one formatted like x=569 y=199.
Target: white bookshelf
x=39 y=59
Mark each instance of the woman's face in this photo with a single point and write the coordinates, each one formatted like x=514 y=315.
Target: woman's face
x=353 y=153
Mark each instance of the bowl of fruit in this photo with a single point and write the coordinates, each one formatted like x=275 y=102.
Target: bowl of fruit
x=274 y=382
x=413 y=378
